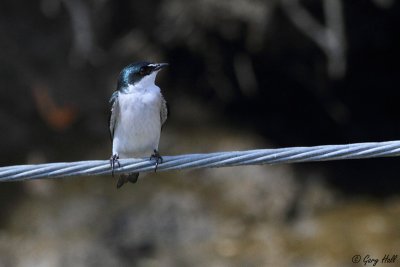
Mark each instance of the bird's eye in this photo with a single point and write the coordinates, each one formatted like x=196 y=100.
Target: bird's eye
x=144 y=71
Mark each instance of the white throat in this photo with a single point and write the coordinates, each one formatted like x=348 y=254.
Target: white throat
x=145 y=84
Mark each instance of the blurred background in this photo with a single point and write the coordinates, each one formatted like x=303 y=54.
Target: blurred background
x=244 y=74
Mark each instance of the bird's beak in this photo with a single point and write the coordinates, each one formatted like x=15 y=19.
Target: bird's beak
x=159 y=66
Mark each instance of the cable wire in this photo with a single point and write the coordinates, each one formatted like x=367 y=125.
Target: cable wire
x=210 y=160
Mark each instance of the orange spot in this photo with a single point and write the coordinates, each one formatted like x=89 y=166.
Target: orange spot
x=57 y=117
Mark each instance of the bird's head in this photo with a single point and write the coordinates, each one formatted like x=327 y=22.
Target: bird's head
x=139 y=74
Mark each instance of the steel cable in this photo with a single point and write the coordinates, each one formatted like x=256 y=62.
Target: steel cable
x=210 y=160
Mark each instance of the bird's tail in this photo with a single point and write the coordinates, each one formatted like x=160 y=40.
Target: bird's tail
x=130 y=177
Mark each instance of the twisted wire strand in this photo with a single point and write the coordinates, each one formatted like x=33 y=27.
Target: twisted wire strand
x=210 y=160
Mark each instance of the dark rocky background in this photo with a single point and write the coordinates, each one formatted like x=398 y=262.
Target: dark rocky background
x=243 y=75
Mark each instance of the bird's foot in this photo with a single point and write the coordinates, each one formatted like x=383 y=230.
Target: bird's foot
x=113 y=162
x=124 y=178
x=156 y=156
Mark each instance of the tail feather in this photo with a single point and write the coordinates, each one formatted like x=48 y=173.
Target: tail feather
x=124 y=178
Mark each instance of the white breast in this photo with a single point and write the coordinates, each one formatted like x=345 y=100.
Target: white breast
x=137 y=131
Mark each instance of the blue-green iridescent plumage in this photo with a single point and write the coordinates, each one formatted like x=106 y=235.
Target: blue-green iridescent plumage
x=131 y=74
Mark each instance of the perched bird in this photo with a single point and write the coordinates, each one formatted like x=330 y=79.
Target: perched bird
x=137 y=114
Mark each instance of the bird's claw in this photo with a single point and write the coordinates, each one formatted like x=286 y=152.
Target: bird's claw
x=113 y=162
x=156 y=156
